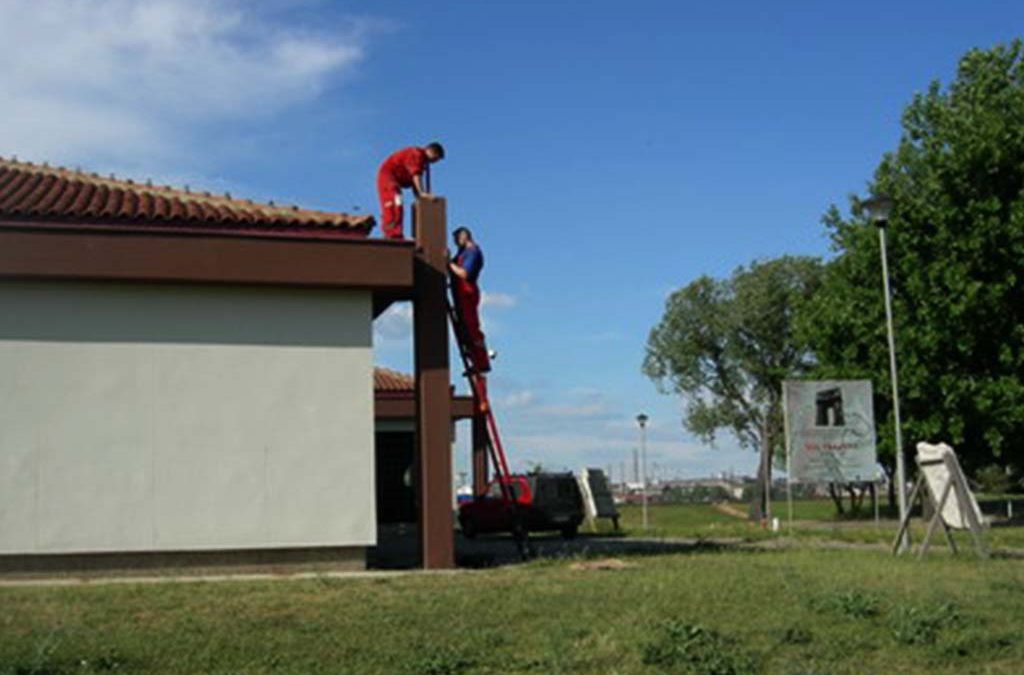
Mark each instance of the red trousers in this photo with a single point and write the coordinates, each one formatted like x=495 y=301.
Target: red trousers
x=391 y=210
x=467 y=306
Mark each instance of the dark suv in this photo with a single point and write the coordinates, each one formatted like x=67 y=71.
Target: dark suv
x=539 y=502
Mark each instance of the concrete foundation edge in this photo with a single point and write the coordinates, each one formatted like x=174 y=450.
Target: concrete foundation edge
x=185 y=563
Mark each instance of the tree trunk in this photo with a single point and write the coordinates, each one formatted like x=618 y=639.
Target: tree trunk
x=856 y=496
x=892 y=507
x=760 y=504
x=837 y=497
x=756 y=510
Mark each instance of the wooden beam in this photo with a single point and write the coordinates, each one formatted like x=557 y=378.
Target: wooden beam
x=397 y=407
x=433 y=397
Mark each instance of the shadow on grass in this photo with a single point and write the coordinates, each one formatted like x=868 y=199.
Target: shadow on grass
x=501 y=551
x=398 y=549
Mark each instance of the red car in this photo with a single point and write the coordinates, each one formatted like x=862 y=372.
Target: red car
x=540 y=502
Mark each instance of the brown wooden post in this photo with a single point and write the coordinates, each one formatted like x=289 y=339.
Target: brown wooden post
x=433 y=386
x=479 y=449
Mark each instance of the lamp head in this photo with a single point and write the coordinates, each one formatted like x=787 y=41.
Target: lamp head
x=641 y=419
x=878 y=208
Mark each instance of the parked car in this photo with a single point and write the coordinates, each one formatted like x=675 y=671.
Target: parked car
x=539 y=502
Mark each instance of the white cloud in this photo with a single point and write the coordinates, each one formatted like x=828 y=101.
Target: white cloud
x=497 y=300
x=573 y=449
x=580 y=402
x=567 y=428
x=592 y=409
x=394 y=325
x=132 y=83
x=518 y=399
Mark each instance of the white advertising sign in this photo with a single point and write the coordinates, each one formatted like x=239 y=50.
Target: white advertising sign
x=830 y=431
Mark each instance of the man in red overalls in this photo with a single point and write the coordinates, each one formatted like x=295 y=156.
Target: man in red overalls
x=465 y=270
x=403 y=169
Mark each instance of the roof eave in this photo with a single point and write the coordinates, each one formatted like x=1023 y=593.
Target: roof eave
x=53 y=250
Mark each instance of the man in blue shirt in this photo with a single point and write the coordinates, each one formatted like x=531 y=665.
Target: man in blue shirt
x=465 y=269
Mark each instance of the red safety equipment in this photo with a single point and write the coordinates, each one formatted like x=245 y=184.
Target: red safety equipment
x=395 y=173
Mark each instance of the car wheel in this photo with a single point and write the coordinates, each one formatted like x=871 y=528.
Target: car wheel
x=469 y=530
x=570 y=531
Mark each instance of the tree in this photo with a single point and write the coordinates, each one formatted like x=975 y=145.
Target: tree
x=956 y=245
x=726 y=346
x=993 y=480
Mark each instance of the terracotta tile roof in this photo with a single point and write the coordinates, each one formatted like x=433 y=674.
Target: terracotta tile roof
x=390 y=381
x=40 y=193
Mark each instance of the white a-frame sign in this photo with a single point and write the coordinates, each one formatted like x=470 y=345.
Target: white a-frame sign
x=953 y=506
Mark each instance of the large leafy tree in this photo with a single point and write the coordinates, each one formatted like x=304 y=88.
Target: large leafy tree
x=956 y=246
x=726 y=346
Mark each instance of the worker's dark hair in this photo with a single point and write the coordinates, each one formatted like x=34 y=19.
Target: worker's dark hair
x=437 y=148
x=460 y=230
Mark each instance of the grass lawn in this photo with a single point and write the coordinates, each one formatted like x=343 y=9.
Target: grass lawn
x=800 y=610
x=813 y=520
x=796 y=611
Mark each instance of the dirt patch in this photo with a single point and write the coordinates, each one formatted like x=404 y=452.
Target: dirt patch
x=603 y=564
x=730 y=510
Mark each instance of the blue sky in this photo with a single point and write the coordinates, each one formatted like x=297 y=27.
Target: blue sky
x=605 y=153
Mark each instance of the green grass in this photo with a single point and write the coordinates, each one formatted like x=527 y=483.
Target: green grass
x=793 y=612
x=698 y=521
x=813 y=521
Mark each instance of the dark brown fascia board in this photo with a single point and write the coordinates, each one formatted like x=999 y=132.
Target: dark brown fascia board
x=67 y=253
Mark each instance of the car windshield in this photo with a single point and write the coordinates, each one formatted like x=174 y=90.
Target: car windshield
x=557 y=490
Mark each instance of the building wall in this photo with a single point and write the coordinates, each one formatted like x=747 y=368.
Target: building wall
x=164 y=418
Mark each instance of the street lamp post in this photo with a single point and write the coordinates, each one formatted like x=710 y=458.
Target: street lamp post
x=878 y=209
x=641 y=419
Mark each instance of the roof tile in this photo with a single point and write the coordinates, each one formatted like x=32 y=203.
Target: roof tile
x=40 y=192
x=385 y=380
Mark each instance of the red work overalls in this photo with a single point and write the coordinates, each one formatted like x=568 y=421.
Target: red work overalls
x=467 y=306
x=395 y=173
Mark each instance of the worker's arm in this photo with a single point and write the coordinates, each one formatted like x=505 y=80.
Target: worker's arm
x=458 y=271
x=417 y=188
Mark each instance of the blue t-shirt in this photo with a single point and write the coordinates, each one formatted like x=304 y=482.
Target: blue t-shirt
x=471 y=259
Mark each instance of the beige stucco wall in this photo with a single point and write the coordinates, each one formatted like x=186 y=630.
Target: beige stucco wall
x=156 y=418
